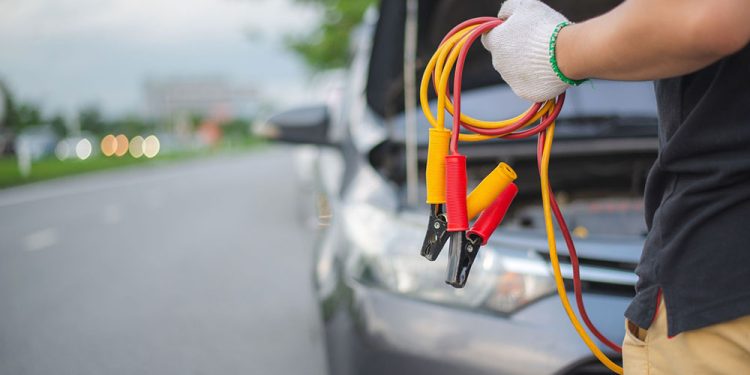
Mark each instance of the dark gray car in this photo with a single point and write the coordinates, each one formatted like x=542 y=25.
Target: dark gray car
x=386 y=309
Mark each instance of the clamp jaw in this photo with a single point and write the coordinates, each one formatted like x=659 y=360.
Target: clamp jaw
x=463 y=251
x=464 y=246
x=437 y=233
x=437 y=229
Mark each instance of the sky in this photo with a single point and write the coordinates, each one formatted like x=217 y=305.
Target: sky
x=65 y=54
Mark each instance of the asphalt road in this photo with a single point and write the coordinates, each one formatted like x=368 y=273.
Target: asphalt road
x=196 y=268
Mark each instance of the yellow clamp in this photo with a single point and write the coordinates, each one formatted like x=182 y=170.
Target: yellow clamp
x=437 y=150
x=489 y=189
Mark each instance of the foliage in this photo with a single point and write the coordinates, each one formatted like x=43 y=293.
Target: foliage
x=196 y=120
x=19 y=116
x=130 y=124
x=27 y=114
x=236 y=128
x=327 y=47
x=91 y=120
x=59 y=125
x=6 y=105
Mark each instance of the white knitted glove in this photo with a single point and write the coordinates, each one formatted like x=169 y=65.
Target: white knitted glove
x=520 y=49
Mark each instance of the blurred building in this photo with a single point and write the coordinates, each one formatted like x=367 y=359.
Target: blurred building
x=207 y=97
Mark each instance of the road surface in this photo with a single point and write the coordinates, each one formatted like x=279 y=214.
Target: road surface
x=196 y=268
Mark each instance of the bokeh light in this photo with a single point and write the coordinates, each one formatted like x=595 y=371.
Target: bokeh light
x=136 y=146
x=62 y=151
x=109 y=145
x=151 y=146
x=83 y=149
x=122 y=145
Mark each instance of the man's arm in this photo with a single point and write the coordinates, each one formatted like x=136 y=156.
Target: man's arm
x=638 y=40
x=653 y=39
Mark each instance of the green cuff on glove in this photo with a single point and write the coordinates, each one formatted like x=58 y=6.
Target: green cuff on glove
x=553 y=58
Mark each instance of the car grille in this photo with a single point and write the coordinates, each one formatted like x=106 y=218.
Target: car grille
x=599 y=276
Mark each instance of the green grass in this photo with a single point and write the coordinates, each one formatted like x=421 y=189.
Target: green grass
x=50 y=168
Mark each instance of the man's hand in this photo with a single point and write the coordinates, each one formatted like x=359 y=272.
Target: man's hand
x=520 y=49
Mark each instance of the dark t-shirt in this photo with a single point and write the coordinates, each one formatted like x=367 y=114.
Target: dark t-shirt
x=697 y=252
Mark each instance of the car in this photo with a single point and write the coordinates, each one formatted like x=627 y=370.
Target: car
x=386 y=309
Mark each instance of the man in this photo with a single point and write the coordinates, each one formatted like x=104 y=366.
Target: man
x=691 y=312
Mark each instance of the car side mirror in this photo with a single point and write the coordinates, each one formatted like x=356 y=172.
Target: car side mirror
x=308 y=125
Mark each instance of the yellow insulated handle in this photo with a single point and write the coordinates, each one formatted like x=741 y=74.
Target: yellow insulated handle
x=437 y=150
x=487 y=190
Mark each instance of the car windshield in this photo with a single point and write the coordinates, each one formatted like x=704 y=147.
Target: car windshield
x=436 y=18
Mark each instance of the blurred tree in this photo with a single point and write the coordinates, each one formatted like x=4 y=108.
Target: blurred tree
x=91 y=120
x=132 y=124
x=28 y=115
x=20 y=116
x=239 y=128
x=6 y=135
x=327 y=47
x=59 y=125
x=5 y=104
x=196 y=120
x=15 y=118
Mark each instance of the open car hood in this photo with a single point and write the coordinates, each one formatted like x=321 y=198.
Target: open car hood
x=435 y=18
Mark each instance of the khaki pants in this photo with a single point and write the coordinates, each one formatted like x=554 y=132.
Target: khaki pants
x=718 y=349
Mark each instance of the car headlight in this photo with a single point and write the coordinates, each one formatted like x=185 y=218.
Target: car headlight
x=387 y=255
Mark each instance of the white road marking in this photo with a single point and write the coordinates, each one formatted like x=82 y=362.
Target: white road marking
x=41 y=239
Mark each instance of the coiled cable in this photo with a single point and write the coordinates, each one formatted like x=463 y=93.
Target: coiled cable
x=453 y=51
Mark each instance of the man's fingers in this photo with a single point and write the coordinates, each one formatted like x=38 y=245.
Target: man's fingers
x=493 y=40
x=509 y=7
x=484 y=42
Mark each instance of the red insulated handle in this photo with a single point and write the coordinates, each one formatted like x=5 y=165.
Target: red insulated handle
x=455 y=193
x=493 y=215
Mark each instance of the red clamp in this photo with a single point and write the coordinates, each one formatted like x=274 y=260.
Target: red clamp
x=491 y=217
x=455 y=193
x=465 y=246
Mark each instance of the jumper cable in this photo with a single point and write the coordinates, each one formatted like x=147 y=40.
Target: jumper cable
x=446 y=175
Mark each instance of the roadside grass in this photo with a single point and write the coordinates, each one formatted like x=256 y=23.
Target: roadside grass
x=50 y=168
